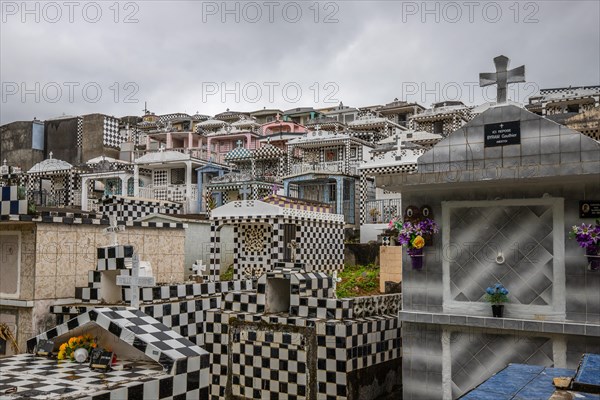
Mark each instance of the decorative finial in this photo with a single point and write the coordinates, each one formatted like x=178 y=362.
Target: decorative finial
x=502 y=77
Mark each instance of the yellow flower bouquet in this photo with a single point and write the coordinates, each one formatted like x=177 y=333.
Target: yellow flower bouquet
x=66 y=351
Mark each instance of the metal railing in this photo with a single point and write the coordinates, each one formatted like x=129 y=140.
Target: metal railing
x=45 y=198
x=199 y=153
x=382 y=211
x=175 y=193
x=326 y=167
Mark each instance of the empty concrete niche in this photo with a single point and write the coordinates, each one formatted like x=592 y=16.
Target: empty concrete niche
x=109 y=291
x=278 y=295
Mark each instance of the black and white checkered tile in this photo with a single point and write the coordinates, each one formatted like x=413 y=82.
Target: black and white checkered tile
x=266 y=355
x=341 y=347
x=79 y=132
x=191 y=290
x=276 y=371
x=321 y=244
x=26 y=377
x=157 y=341
x=125 y=209
x=112 y=136
x=113 y=257
x=179 y=370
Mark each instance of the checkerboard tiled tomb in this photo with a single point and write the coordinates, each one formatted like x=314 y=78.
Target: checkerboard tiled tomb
x=130 y=209
x=182 y=307
x=292 y=339
x=277 y=228
x=154 y=362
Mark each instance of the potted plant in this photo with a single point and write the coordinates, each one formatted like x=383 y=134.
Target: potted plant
x=588 y=237
x=415 y=235
x=497 y=295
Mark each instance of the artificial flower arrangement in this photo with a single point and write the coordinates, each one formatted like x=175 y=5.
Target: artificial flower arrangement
x=496 y=294
x=413 y=234
x=67 y=350
x=588 y=237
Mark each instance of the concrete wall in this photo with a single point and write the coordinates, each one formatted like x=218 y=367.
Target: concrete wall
x=390 y=262
x=369 y=232
x=197 y=245
x=423 y=291
x=93 y=138
x=16 y=145
x=61 y=139
x=55 y=258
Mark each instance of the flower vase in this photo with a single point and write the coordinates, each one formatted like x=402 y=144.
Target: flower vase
x=80 y=355
x=593 y=257
x=498 y=310
x=416 y=258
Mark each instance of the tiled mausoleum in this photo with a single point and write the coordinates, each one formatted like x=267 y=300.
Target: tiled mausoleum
x=291 y=338
x=504 y=210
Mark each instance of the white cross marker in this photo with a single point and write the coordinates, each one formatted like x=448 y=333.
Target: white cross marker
x=135 y=281
x=335 y=280
x=245 y=191
x=198 y=267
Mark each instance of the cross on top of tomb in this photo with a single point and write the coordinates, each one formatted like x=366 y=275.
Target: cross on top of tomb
x=293 y=246
x=198 y=267
x=335 y=280
x=239 y=143
x=502 y=77
x=135 y=281
x=245 y=191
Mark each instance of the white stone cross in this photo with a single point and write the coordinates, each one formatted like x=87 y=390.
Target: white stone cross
x=135 y=281
x=113 y=229
x=198 y=267
x=293 y=246
x=245 y=191
x=502 y=77
x=239 y=143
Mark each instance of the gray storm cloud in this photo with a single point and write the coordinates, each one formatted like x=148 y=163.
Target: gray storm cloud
x=85 y=57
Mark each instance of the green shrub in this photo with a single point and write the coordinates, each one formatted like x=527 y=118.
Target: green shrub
x=358 y=280
x=228 y=274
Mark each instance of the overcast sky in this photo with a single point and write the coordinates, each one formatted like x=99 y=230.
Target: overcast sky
x=187 y=56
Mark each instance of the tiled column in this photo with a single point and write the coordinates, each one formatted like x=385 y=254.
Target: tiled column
x=136 y=180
